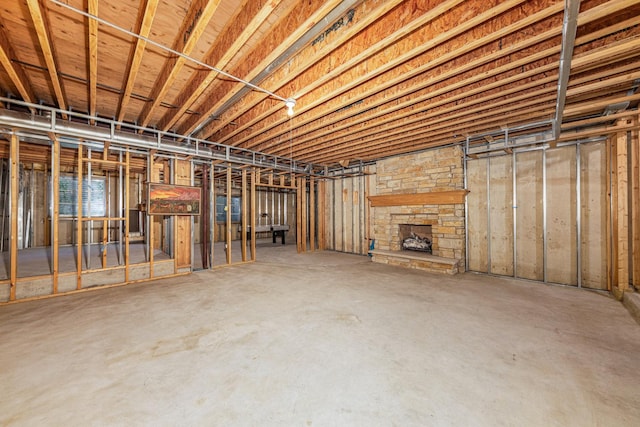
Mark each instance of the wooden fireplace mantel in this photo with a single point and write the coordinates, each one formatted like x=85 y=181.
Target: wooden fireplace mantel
x=433 y=198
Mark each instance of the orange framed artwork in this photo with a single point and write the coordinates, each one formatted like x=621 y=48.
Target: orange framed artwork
x=165 y=199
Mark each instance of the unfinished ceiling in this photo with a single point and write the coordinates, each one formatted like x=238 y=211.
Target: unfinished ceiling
x=371 y=78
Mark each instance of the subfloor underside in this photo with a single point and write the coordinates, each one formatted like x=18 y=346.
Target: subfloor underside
x=321 y=339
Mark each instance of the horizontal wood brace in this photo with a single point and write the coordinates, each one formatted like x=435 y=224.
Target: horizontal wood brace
x=432 y=198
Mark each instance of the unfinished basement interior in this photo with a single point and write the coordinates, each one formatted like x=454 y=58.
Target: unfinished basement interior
x=320 y=213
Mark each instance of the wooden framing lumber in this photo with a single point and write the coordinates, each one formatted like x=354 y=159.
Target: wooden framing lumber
x=252 y=17
x=193 y=26
x=15 y=188
x=127 y=189
x=622 y=209
x=41 y=26
x=55 y=219
x=228 y=222
x=253 y=214
x=93 y=58
x=14 y=70
x=413 y=199
x=635 y=204
x=243 y=212
x=79 y=222
x=312 y=214
x=149 y=13
x=295 y=24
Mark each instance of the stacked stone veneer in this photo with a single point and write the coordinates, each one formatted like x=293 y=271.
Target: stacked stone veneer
x=429 y=171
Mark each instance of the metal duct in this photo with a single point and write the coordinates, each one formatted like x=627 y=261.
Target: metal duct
x=569 y=28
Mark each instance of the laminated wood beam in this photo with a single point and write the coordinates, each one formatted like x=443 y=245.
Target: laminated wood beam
x=413 y=199
x=93 y=58
x=295 y=24
x=193 y=26
x=41 y=27
x=15 y=71
x=144 y=26
x=253 y=15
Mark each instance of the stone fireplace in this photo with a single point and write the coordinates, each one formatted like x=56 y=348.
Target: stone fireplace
x=421 y=193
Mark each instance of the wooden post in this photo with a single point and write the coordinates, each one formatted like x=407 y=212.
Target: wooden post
x=55 y=227
x=312 y=214
x=623 y=210
x=299 y=215
x=253 y=214
x=127 y=254
x=305 y=218
x=183 y=223
x=228 y=215
x=79 y=220
x=150 y=231
x=322 y=186
x=244 y=215
x=13 y=246
x=612 y=257
x=635 y=204
x=105 y=222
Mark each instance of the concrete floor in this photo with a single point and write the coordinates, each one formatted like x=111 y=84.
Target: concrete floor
x=321 y=339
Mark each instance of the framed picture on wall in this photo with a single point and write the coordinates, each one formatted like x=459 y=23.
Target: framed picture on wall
x=166 y=199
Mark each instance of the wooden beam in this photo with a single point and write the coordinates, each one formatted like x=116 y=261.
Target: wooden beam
x=93 y=58
x=144 y=26
x=14 y=70
x=312 y=214
x=412 y=199
x=299 y=215
x=198 y=17
x=234 y=37
x=55 y=220
x=305 y=216
x=622 y=210
x=228 y=234
x=79 y=222
x=41 y=25
x=253 y=214
x=15 y=189
x=243 y=237
x=295 y=24
x=379 y=71
x=635 y=203
x=127 y=218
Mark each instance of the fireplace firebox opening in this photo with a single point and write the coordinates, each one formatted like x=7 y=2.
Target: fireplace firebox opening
x=415 y=237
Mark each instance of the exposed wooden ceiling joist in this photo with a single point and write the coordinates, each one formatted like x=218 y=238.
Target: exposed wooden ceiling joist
x=41 y=26
x=376 y=78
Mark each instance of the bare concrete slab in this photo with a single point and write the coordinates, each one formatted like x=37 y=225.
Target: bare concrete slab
x=321 y=339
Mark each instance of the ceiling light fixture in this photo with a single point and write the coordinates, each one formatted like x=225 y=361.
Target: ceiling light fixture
x=290 y=103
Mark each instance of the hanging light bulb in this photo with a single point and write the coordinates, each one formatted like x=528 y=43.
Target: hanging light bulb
x=290 y=103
